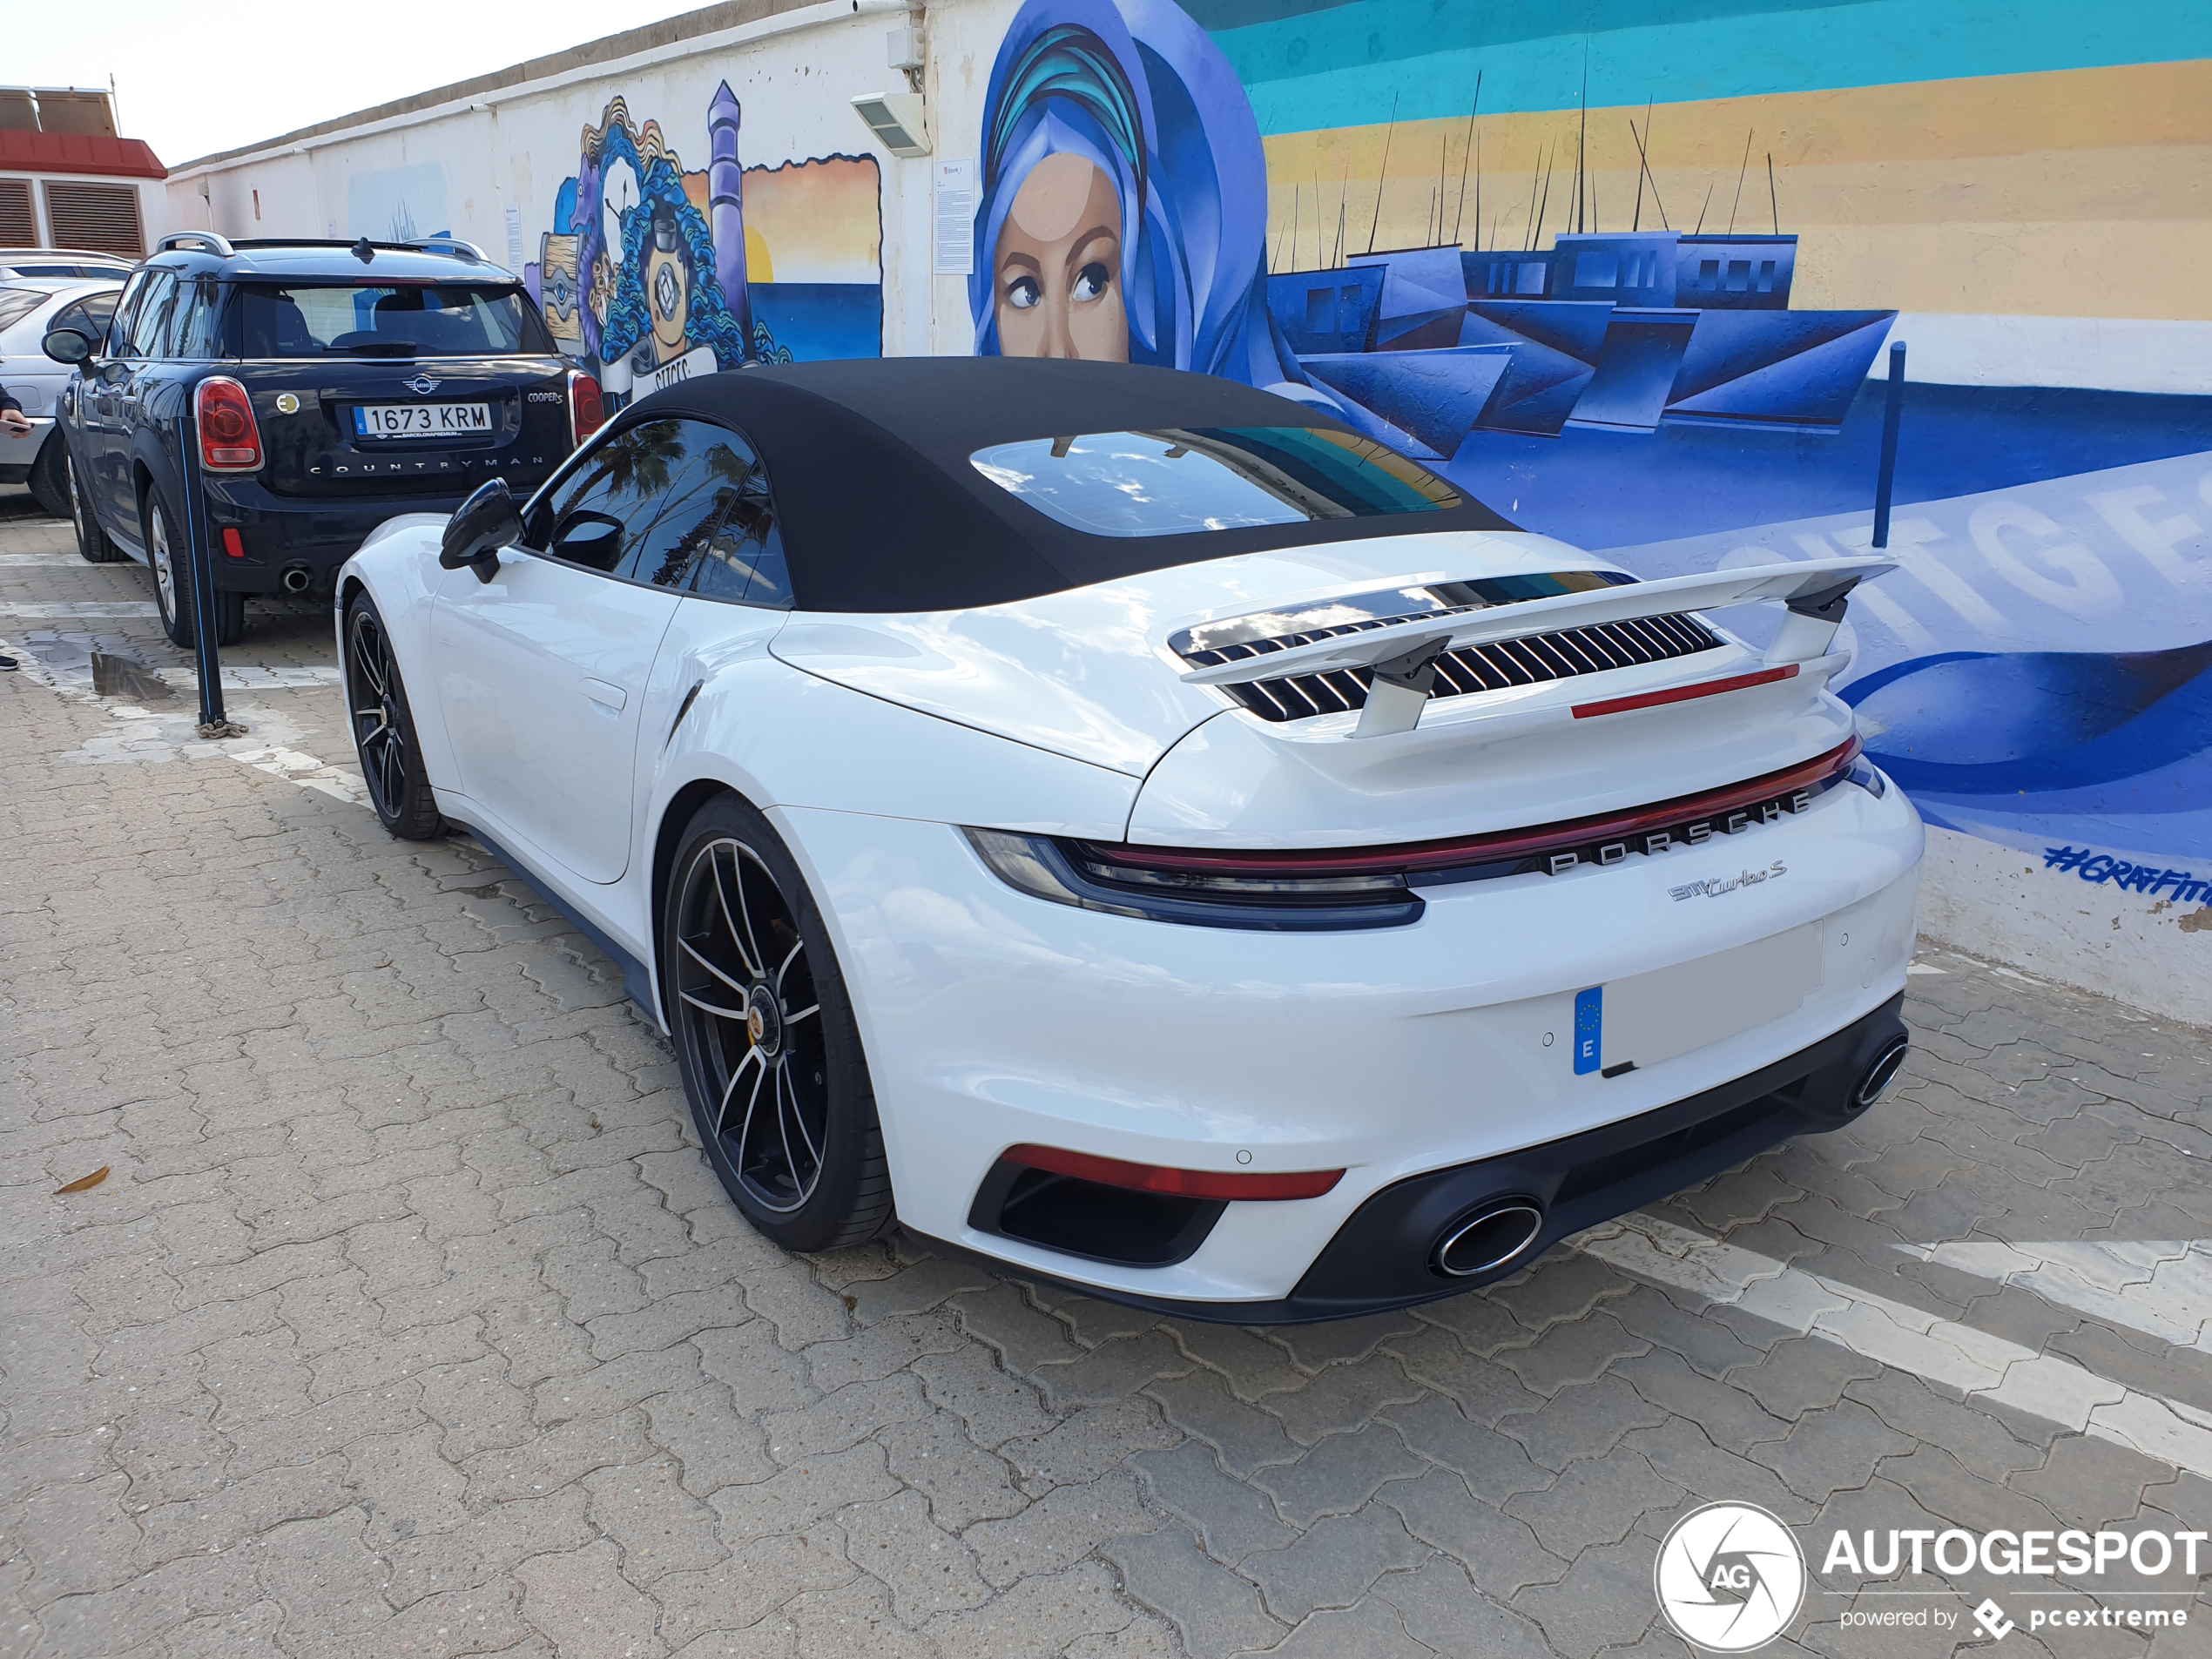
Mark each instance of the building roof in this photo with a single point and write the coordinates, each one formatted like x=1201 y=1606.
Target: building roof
x=78 y=153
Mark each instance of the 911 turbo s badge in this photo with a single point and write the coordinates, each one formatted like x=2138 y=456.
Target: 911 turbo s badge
x=1719 y=885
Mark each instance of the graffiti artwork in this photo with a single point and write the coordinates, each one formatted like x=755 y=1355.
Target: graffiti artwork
x=650 y=274
x=1557 y=259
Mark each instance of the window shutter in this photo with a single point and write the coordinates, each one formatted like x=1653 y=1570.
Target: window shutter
x=100 y=218
x=15 y=228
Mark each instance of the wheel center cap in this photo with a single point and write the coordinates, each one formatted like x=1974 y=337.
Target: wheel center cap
x=764 y=1022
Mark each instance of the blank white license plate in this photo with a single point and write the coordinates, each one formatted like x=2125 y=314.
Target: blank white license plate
x=1655 y=1017
x=420 y=420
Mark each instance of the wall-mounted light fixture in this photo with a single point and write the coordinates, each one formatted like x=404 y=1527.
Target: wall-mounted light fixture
x=898 y=119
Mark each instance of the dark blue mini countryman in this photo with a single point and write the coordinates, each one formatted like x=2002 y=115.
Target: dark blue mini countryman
x=307 y=392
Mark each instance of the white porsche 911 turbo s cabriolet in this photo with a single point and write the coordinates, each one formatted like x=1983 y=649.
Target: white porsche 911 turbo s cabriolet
x=1138 y=829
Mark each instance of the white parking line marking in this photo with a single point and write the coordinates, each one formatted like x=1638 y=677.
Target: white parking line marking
x=2160 y=1287
x=11 y=560
x=259 y=679
x=1941 y=1351
x=82 y=607
x=306 y=771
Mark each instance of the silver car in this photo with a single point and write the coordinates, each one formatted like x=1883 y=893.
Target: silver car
x=30 y=309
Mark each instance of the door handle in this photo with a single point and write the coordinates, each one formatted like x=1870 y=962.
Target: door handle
x=611 y=698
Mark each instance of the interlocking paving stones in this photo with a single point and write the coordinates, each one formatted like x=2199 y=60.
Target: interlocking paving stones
x=410 y=1319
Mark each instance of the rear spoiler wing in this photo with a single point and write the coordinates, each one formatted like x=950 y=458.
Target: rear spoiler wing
x=1402 y=655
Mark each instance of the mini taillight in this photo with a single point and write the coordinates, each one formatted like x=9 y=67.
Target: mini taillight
x=587 y=409
x=229 y=440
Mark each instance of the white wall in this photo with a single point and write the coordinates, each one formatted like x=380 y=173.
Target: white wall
x=794 y=75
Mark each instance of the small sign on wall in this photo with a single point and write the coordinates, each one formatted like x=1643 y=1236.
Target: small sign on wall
x=514 y=237
x=955 y=242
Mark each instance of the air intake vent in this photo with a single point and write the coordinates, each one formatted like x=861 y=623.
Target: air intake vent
x=101 y=218
x=15 y=227
x=1477 y=668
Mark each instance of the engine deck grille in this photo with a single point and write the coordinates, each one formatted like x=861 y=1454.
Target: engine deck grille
x=1476 y=668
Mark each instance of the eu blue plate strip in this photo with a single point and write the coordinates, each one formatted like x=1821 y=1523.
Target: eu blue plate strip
x=1590 y=1028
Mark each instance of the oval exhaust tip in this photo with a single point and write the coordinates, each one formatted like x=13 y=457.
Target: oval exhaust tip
x=1880 y=1074
x=1489 y=1238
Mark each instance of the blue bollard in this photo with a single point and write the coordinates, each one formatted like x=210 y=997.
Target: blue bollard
x=1892 y=410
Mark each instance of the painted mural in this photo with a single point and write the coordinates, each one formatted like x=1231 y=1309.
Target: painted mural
x=650 y=274
x=1631 y=281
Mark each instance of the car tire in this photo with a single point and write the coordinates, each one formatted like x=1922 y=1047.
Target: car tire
x=766 y=1037
x=94 y=545
x=383 y=728
x=47 y=486
x=172 y=574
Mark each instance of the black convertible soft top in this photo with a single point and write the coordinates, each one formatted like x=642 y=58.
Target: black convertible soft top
x=880 y=510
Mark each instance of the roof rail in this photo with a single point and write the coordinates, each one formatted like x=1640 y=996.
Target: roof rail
x=208 y=240
x=450 y=245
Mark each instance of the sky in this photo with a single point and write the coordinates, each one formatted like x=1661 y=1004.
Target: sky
x=191 y=81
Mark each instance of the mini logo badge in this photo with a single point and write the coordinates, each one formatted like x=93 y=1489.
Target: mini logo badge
x=422 y=386
x=1729 y=1577
x=287 y=404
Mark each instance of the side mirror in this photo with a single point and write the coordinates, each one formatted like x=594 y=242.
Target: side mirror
x=485 y=523
x=67 y=346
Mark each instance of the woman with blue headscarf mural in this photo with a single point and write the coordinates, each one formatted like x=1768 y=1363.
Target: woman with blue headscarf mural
x=1125 y=216
x=1124 y=206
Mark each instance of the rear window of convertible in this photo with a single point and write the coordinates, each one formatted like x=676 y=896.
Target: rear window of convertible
x=1180 y=480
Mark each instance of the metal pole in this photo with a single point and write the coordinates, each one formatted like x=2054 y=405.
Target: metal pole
x=1892 y=411
x=212 y=721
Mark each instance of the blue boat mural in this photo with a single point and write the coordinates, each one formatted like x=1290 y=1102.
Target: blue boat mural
x=1619 y=332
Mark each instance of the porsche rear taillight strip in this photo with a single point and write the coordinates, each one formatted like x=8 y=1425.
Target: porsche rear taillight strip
x=1486 y=849
x=1685 y=693
x=1181 y=1183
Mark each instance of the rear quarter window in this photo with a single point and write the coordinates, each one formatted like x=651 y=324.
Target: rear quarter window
x=15 y=304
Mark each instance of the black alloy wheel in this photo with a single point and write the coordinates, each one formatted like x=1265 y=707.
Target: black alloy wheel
x=770 y=1052
x=383 y=727
x=94 y=545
